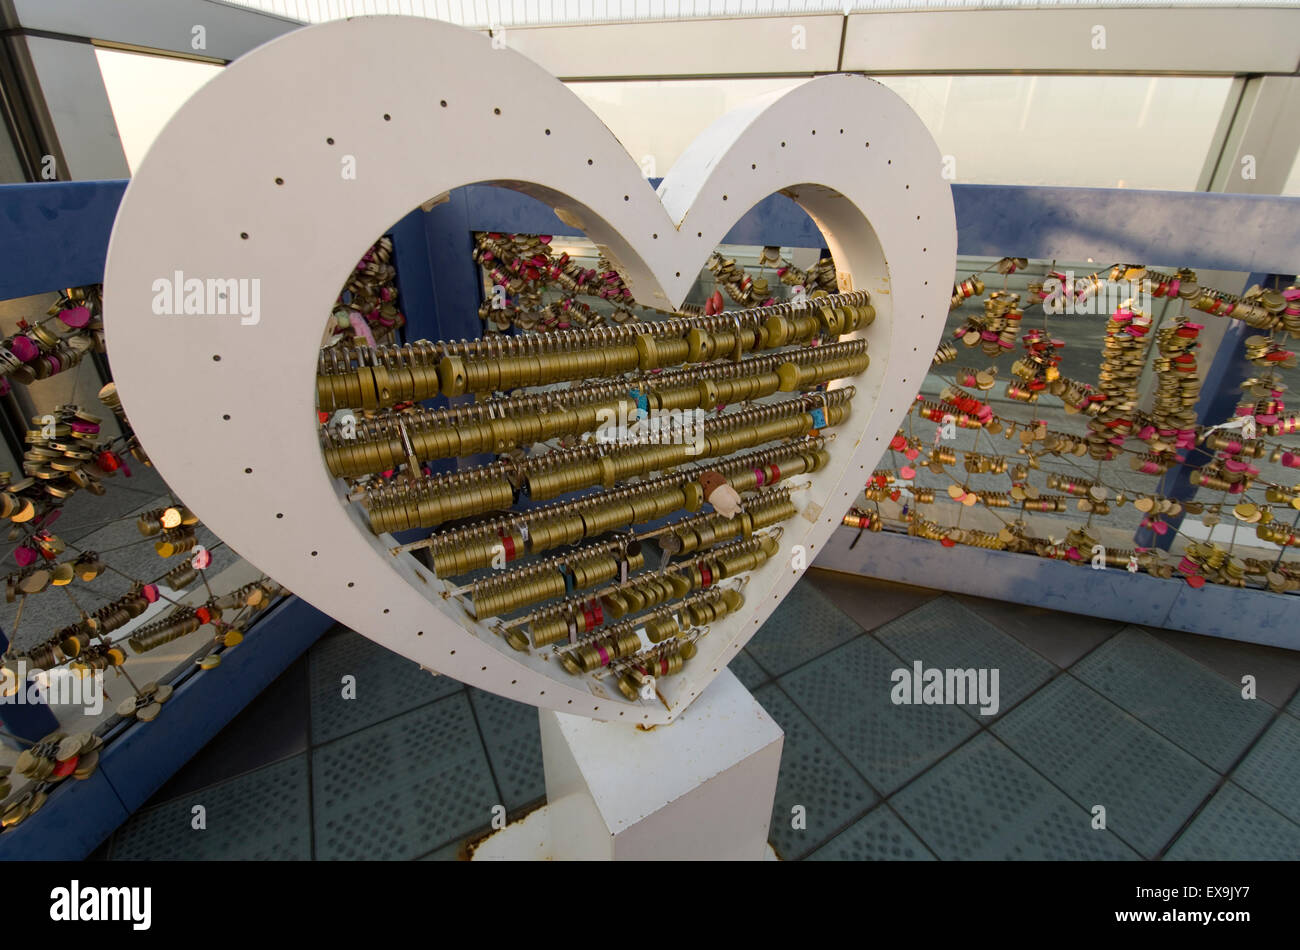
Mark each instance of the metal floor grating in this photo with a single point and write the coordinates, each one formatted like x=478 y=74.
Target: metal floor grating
x=1271 y=772
x=814 y=777
x=880 y=836
x=945 y=635
x=847 y=694
x=1175 y=695
x=1236 y=826
x=405 y=786
x=748 y=671
x=386 y=684
x=514 y=747
x=262 y=815
x=414 y=765
x=984 y=803
x=804 y=626
x=1099 y=755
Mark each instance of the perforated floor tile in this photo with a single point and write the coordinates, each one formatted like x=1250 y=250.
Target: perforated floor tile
x=1276 y=671
x=868 y=601
x=747 y=671
x=984 y=803
x=450 y=853
x=270 y=728
x=1294 y=706
x=880 y=836
x=847 y=694
x=1236 y=826
x=1100 y=755
x=1175 y=696
x=805 y=625
x=260 y=816
x=386 y=684
x=401 y=788
x=1059 y=637
x=945 y=635
x=514 y=746
x=1271 y=771
x=813 y=775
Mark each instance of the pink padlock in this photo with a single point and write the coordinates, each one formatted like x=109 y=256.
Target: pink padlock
x=75 y=317
x=23 y=348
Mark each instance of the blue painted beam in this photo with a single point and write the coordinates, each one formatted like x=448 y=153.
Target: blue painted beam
x=1113 y=225
x=74 y=820
x=1252 y=616
x=55 y=234
x=1172 y=228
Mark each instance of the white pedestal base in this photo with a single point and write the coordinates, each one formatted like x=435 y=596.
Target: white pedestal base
x=700 y=788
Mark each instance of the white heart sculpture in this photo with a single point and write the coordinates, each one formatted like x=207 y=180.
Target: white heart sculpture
x=247 y=181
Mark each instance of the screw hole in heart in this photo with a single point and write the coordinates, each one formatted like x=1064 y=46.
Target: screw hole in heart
x=216 y=357
x=755 y=167
x=496 y=111
x=548 y=131
x=352 y=583
x=243 y=235
x=783 y=145
x=387 y=117
x=385 y=610
x=226 y=417
x=248 y=471
x=279 y=181
x=279 y=514
x=314 y=553
x=331 y=141
x=627 y=197
x=443 y=103
x=590 y=162
x=724 y=197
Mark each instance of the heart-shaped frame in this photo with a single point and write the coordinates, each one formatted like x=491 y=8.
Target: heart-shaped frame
x=247 y=181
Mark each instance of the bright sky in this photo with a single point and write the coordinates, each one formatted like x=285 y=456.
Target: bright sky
x=145 y=91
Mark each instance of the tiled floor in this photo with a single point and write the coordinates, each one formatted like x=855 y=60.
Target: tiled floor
x=1109 y=742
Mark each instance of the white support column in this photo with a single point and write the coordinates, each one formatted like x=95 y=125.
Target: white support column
x=700 y=788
